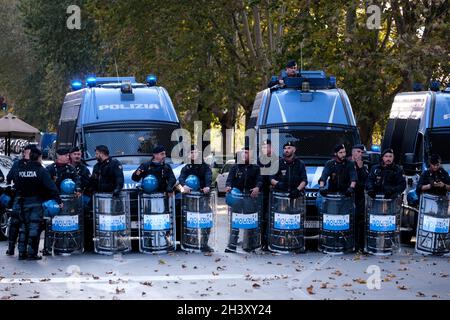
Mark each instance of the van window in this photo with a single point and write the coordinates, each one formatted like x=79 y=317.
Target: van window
x=442 y=111
x=286 y=107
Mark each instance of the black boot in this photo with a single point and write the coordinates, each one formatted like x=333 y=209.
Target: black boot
x=10 y=251
x=23 y=256
x=36 y=257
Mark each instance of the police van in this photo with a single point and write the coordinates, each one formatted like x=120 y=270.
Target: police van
x=128 y=117
x=418 y=126
x=311 y=111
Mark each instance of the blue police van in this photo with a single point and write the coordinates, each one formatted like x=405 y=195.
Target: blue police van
x=128 y=117
x=418 y=126
x=311 y=111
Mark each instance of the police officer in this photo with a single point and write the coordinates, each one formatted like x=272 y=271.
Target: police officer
x=80 y=168
x=266 y=149
x=340 y=173
x=33 y=186
x=386 y=178
x=107 y=175
x=157 y=167
x=244 y=176
x=59 y=171
x=291 y=176
x=198 y=168
x=362 y=173
x=14 y=221
x=435 y=180
x=290 y=71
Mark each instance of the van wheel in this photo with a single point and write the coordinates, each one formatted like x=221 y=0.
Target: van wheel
x=405 y=237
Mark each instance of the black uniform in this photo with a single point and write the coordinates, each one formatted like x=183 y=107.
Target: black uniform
x=244 y=177
x=33 y=186
x=266 y=210
x=61 y=172
x=428 y=177
x=107 y=176
x=14 y=221
x=387 y=180
x=362 y=174
x=163 y=173
x=289 y=176
x=341 y=175
x=202 y=171
x=83 y=174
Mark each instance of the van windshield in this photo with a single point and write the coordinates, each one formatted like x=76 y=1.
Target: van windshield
x=129 y=142
x=316 y=146
x=439 y=144
x=442 y=111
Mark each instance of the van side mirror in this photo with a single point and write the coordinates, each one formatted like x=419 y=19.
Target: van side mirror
x=410 y=164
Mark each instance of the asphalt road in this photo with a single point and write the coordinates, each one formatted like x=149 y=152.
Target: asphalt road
x=227 y=276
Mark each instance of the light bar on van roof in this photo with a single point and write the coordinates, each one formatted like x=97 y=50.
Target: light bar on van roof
x=151 y=80
x=76 y=85
x=435 y=85
x=91 y=81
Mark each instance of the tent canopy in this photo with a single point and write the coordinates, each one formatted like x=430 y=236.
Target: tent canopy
x=12 y=126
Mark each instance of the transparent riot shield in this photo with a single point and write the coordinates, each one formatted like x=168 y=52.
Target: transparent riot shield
x=286 y=223
x=337 y=224
x=433 y=236
x=156 y=223
x=383 y=217
x=112 y=223
x=198 y=222
x=65 y=232
x=244 y=224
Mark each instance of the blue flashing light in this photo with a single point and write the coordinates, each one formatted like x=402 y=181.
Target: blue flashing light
x=76 y=85
x=417 y=86
x=434 y=85
x=332 y=82
x=151 y=80
x=91 y=81
x=375 y=148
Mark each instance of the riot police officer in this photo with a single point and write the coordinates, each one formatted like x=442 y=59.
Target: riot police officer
x=386 y=178
x=198 y=168
x=33 y=186
x=362 y=172
x=107 y=175
x=157 y=167
x=435 y=180
x=291 y=176
x=80 y=168
x=266 y=149
x=244 y=176
x=341 y=173
x=14 y=222
x=61 y=169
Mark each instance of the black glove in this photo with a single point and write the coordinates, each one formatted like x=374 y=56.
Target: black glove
x=280 y=185
x=116 y=193
x=323 y=192
x=389 y=194
x=350 y=191
x=294 y=194
x=372 y=194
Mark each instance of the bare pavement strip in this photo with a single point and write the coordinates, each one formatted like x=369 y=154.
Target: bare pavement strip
x=226 y=276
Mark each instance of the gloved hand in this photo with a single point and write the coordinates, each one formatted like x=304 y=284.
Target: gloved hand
x=389 y=194
x=280 y=185
x=294 y=194
x=323 y=192
x=372 y=194
x=350 y=192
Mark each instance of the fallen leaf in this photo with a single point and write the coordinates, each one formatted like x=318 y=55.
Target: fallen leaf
x=347 y=285
x=231 y=285
x=146 y=283
x=5 y=298
x=160 y=261
x=95 y=277
x=337 y=272
x=360 y=281
x=217 y=260
x=324 y=285
x=298 y=270
x=310 y=289
x=420 y=294
x=444 y=275
x=215 y=273
x=402 y=287
x=118 y=291
x=208 y=254
x=434 y=296
x=220 y=268
x=256 y=286
x=109 y=272
x=113 y=282
x=183 y=266
x=34 y=297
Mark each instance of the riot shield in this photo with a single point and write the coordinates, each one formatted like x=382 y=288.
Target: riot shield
x=112 y=223
x=198 y=222
x=383 y=218
x=244 y=216
x=286 y=223
x=156 y=223
x=336 y=232
x=64 y=232
x=433 y=236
